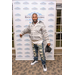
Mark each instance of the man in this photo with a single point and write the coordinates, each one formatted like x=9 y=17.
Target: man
x=37 y=32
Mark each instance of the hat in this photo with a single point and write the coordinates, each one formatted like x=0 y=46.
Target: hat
x=48 y=48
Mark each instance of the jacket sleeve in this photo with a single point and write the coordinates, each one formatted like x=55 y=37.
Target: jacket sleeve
x=26 y=30
x=45 y=34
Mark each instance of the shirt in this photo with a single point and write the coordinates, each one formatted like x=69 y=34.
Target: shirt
x=37 y=42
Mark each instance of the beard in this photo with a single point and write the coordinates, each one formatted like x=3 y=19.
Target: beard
x=34 y=21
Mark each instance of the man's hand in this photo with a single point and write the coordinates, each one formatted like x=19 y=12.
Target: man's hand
x=21 y=35
x=48 y=44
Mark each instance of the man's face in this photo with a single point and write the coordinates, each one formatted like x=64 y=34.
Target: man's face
x=34 y=18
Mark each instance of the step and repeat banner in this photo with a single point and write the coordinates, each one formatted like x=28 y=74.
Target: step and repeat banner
x=22 y=17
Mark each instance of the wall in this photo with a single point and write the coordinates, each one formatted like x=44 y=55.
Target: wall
x=56 y=51
x=58 y=1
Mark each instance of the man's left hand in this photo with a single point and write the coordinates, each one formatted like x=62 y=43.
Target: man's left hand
x=48 y=44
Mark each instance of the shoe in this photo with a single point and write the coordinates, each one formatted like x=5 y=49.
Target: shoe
x=44 y=68
x=34 y=61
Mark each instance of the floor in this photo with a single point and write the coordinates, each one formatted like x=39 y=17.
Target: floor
x=23 y=67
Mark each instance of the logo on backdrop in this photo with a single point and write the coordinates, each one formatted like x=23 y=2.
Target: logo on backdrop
x=17 y=14
x=17 y=2
x=50 y=31
x=50 y=26
x=51 y=44
x=26 y=26
x=26 y=44
x=34 y=8
x=28 y=19
x=49 y=56
x=29 y=16
x=18 y=30
x=19 y=55
x=51 y=3
x=19 y=44
x=51 y=39
x=17 y=8
x=26 y=3
x=25 y=8
x=18 y=35
x=27 y=52
x=29 y=22
x=26 y=40
x=51 y=8
x=18 y=26
x=26 y=35
x=50 y=20
x=27 y=56
x=40 y=19
x=50 y=52
x=18 y=20
x=19 y=48
x=18 y=40
x=50 y=35
x=42 y=8
x=34 y=3
x=51 y=15
x=43 y=3
x=19 y=52
x=27 y=48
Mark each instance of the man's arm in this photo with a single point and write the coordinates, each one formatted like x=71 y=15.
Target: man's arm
x=45 y=34
x=26 y=30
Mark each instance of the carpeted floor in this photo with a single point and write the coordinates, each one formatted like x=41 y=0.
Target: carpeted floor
x=23 y=67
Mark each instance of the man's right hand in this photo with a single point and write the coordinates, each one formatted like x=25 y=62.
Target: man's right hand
x=21 y=35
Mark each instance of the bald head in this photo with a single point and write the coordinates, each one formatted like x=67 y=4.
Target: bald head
x=34 y=17
x=34 y=14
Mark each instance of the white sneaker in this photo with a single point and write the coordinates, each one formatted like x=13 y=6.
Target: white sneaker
x=44 y=68
x=34 y=61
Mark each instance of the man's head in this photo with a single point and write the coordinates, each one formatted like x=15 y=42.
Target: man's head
x=34 y=17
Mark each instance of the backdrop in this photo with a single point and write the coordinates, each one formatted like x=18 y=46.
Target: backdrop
x=22 y=12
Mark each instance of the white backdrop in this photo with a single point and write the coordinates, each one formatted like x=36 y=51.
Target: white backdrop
x=22 y=12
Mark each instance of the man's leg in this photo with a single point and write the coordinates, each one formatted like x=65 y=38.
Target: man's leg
x=42 y=54
x=35 y=53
